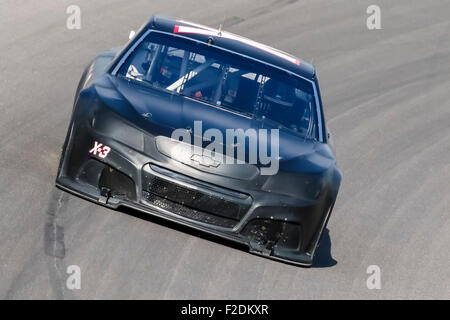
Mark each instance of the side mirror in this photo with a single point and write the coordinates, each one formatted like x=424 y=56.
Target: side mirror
x=131 y=35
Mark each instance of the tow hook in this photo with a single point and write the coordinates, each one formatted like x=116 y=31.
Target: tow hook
x=105 y=193
x=262 y=247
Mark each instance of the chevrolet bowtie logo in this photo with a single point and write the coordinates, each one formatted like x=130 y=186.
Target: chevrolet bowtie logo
x=205 y=161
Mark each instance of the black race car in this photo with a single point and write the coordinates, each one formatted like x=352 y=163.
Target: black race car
x=210 y=130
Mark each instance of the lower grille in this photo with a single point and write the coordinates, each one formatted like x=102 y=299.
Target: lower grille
x=187 y=212
x=195 y=199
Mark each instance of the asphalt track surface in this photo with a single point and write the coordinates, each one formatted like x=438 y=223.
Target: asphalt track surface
x=387 y=100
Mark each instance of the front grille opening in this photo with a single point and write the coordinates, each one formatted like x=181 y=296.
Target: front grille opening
x=196 y=199
x=188 y=212
x=118 y=184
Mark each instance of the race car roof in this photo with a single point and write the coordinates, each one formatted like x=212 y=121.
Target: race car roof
x=233 y=43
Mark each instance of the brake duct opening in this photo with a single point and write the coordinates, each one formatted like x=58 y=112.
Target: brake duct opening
x=113 y=183
x=266 y=234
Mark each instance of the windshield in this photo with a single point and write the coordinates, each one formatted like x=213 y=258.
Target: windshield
x=224 y=80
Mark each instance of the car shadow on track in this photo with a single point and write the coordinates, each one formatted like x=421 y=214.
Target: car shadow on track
x=323 y=257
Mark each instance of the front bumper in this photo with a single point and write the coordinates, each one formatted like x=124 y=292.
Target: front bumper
x=276 y=226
